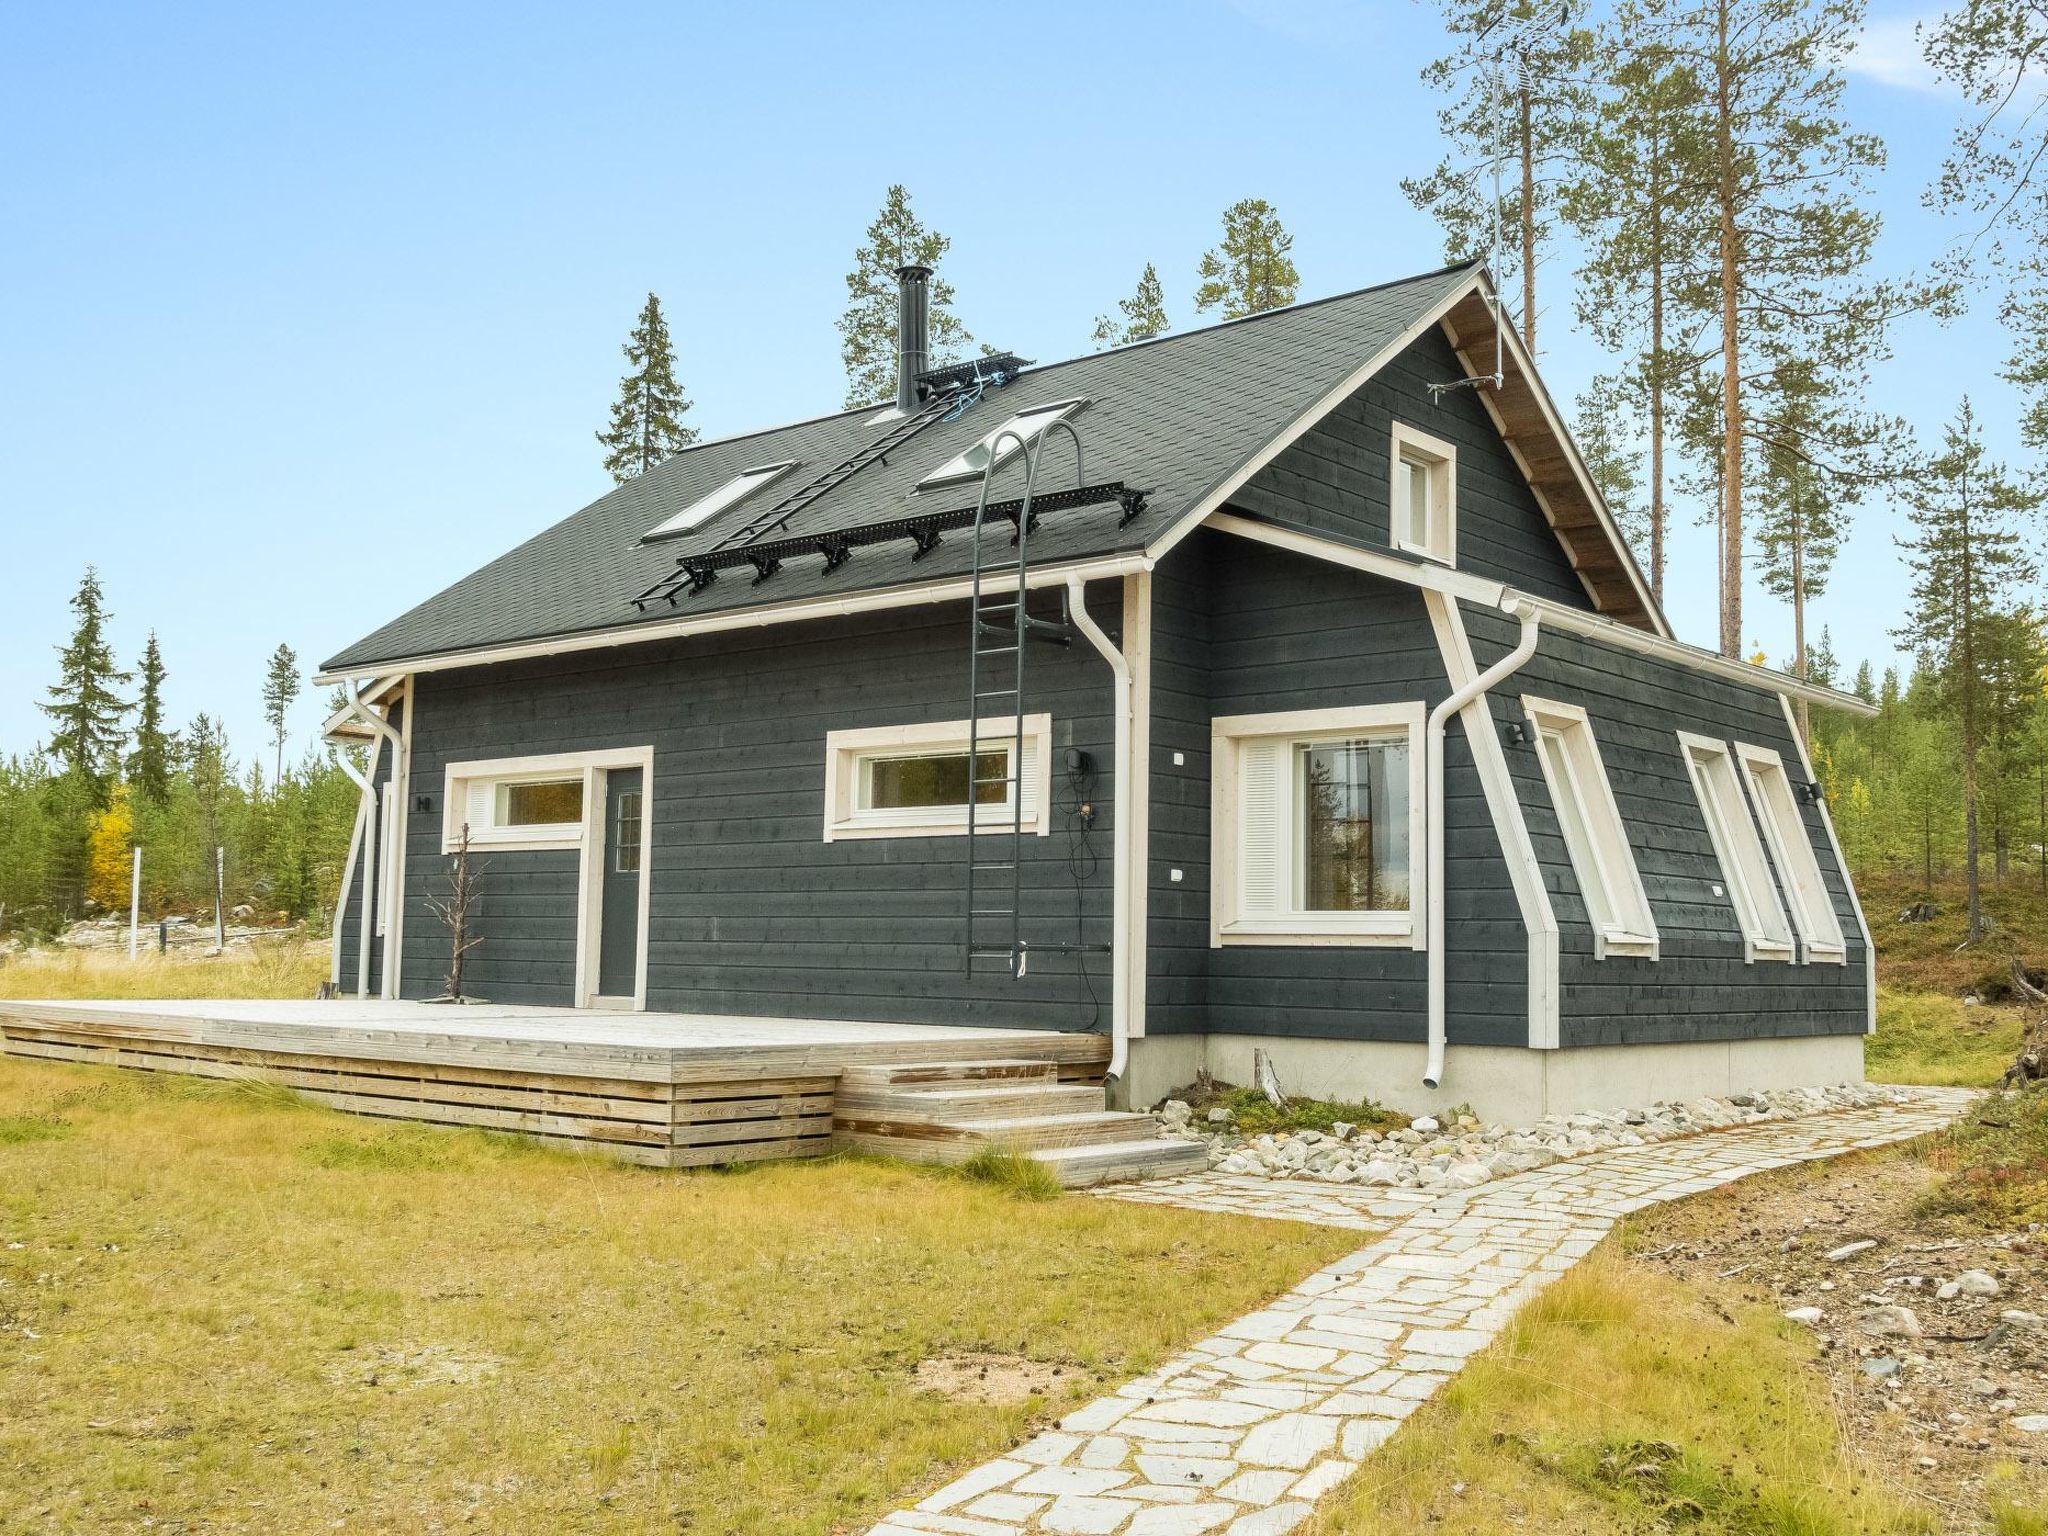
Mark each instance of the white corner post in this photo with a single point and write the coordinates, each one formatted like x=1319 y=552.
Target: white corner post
x=369 y=834
x=1120 y=847
x=1433 y=749
x=135 y=903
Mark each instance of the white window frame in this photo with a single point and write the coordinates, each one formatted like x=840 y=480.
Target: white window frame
x=1776 y=806
x=746 y=483
x=958 y=467
x=1441 y=460
x=587 y=837
x=1745 y=871
x=1606 y=870
x=847 y=751
x=1229 y=924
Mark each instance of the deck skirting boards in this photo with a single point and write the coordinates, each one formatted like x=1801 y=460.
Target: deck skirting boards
x=705 y=1099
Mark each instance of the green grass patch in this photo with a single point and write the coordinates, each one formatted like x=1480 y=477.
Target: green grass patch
x=1925 y=1037
x=258 y=1316
x=19 y=1130
x=1255 y=1114
x=1620 y=1402
x=1996 y=1163
x=1012 y=1173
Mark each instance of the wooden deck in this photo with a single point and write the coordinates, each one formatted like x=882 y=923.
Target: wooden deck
x=666 y=1089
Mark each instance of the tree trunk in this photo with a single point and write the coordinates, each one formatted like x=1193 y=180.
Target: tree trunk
x=1528 y=216
x=1657 y=397
x=2041 y=830
x=1799 y=615
x=1731 y=353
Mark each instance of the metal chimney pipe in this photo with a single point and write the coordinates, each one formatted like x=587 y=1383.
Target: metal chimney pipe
x=913 y=332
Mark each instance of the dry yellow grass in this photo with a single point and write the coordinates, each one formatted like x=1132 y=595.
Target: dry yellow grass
x=284 y=968
x=223 y=1311
x=1621 y=1401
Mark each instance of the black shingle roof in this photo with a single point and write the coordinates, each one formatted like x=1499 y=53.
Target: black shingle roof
x=1178 y=415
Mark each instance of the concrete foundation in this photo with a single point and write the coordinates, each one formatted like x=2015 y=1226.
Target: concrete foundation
x=1509 y=1085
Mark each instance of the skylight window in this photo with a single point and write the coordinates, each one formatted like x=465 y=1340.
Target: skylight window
x=704 y=508
x=971 y=462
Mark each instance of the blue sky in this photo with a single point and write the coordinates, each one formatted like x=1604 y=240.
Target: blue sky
x=306 y=311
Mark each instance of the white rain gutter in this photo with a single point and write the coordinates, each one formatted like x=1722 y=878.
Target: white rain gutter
x=1120 y=816
x=367 y=813
x=1515 y=607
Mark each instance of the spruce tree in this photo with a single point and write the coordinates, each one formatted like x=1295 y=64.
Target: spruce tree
x=1517 y=67
x=647 y=420
x=83 y=702
x=155 y=756
x=867 y=330
x=1970 y=563
x=1144 y=315
x=280 y=690
x=1250 y=270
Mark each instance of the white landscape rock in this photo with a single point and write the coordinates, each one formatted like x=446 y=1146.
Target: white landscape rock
x=1452 y=1154
x=1891 y=1322
x=1811 y=1317
x=1971 y=1282
x=1850 y=1250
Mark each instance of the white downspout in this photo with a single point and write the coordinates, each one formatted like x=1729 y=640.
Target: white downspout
x=372 y=832
x=1120 y=853
x=1433 y=746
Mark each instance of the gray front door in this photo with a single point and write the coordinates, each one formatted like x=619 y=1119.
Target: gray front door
x=618 y=948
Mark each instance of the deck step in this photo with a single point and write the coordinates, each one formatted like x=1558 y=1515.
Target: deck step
x=970 y=1101
x=924 y=1074
x=1106 y=1162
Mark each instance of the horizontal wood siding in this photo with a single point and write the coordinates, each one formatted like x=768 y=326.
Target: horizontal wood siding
x=751 y=911
x=1241 y=629
x=1336 y=476
x=1699 y=988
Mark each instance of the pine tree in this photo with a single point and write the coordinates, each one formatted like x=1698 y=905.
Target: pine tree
x=1144 y=315
x=1515 y=125
x=1638 y=200
x=83 y=703
x=647 y=420
x=1601 y=430
x=280 y=690
x=156 y=749
x=212 y=774
x=867 y=330
x=1996 y=52
x=1793 y=236
x=1250 y=270
x=1968 y=561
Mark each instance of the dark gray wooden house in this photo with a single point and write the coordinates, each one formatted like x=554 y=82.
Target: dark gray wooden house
x=1348 y=729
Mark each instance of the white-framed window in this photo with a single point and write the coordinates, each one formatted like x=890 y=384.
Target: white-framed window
x=1424 y=479
x=1317 y=827
x=1751 y=891
x=914 y=780
x=1777 y=812
x=553 y=800
x=1595 y=837
x=704 y=508
x=970 y=462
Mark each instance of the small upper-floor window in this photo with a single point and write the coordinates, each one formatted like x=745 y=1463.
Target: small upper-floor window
x=730 y=494
x=1020 y=431
x=1425 y=495
x=1595 y=838
x=1777 y=812
x=1740 y=852
x=1317 y=826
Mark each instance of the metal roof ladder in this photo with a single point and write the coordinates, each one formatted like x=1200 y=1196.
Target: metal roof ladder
x=1000 y=629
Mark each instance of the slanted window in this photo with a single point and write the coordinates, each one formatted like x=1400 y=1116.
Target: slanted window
x=1594 y=837
x=704 y=508
x=970 y=462
x=1425 y=495
x=1777 y=811
x=1317 y=823
x=1751 y=890
x=915 y=780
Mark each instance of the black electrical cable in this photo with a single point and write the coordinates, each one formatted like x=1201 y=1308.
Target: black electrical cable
x=1082 y=863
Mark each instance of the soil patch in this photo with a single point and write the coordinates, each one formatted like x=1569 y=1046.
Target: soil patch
x=1935 y=1382
x=990 y=1378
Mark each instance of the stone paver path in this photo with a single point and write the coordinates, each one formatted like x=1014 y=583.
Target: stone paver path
x=1243 y=1433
